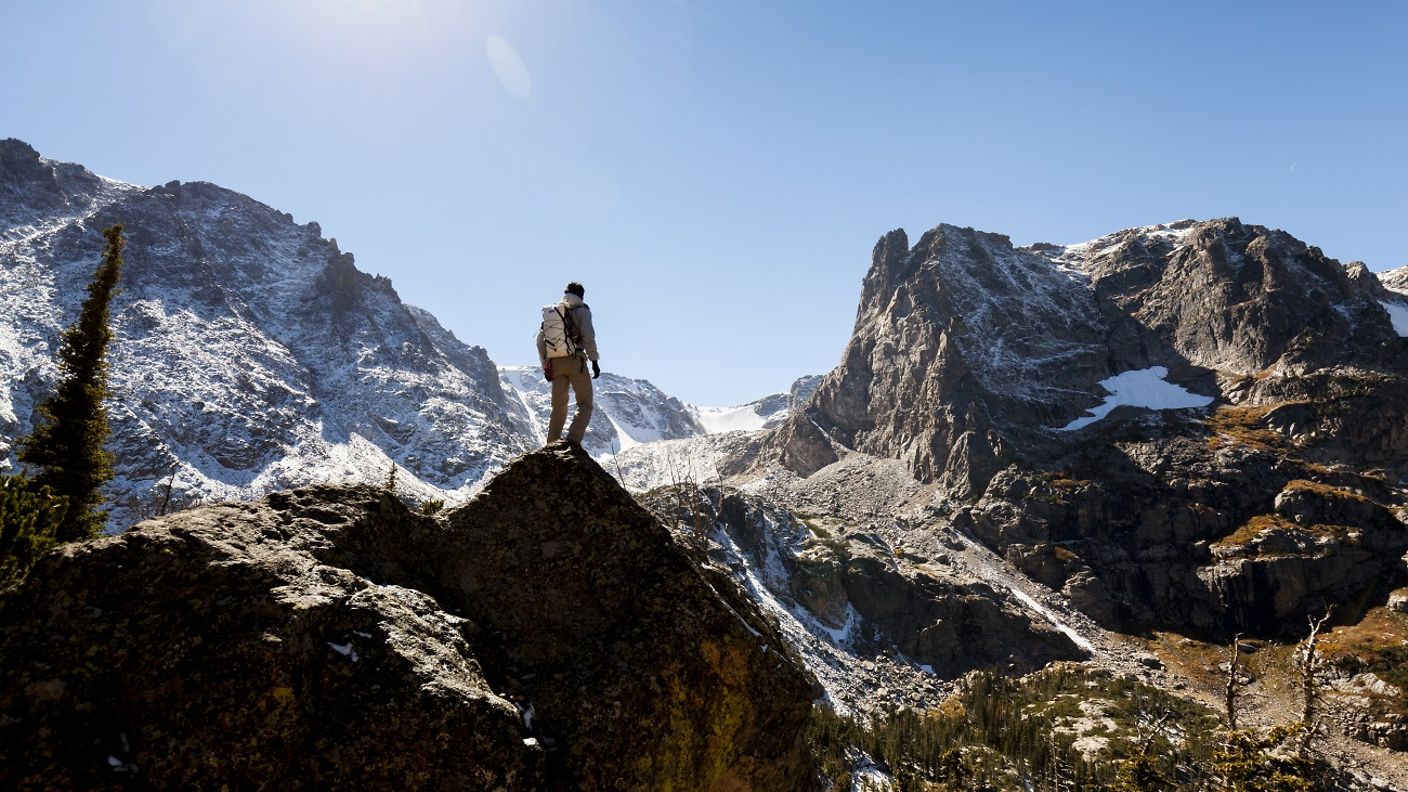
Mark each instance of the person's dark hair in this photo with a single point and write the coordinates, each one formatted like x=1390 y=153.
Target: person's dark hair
x=575 y=288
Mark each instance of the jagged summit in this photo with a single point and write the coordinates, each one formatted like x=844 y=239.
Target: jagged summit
x=548 y=635
x=966 y=348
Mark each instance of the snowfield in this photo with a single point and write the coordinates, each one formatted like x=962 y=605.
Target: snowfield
x=1142 y=388
x=745 y=418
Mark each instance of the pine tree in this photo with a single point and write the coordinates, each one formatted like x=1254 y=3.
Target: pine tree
x=67 y=445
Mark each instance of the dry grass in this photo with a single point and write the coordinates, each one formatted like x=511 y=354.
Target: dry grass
x=1378 y=644
x=1233 y=425
x=1324 y=490
x=1262 y=523
x=1193 y=660
x=1255 y=527
x=1380 y=629
x=1061 y=479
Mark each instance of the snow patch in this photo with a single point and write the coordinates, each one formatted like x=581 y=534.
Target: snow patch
x=1398 y=314
x=870 y=778
x=345 y=650
x=1050 y=615
x=1140 y=388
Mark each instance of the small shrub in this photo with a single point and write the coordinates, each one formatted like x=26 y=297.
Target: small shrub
x=29 y=524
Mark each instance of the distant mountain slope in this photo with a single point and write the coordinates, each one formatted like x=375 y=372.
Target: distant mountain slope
x=250 y=353
x=631 y=412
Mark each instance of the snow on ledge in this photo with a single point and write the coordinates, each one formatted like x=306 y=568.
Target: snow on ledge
x=1142 y=388
x=1398 y=312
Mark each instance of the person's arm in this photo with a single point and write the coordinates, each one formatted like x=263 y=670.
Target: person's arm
x=584 y=326
x=542 y=349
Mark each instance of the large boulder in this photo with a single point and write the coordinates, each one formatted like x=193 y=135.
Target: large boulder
x=549 y=635
x=213 y=648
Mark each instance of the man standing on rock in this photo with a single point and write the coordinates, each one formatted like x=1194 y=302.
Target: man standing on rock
x=566 y=341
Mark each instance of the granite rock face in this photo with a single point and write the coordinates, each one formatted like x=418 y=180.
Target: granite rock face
x=971 y=360
x=548 y=635
x=956 y=339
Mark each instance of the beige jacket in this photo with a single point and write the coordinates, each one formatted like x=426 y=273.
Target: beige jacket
x=582 y=315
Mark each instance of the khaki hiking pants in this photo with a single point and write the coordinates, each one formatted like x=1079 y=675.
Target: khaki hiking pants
x=570 y=371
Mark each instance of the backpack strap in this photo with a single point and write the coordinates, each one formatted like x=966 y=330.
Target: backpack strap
x=568 y=325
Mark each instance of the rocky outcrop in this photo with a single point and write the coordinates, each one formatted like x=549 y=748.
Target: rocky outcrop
x=214 y=648
x=1163 y=522
x=548 y=635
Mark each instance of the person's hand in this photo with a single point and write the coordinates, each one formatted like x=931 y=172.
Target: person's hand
x=547 y=371
x=596 y=369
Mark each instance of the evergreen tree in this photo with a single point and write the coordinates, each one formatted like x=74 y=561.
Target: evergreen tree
x=67 y=445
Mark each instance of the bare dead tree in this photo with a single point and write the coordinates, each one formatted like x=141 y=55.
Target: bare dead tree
x=1233 y=660
x=166 y=494
x=1144 y=736
x=1308 y=664
x=616 y=460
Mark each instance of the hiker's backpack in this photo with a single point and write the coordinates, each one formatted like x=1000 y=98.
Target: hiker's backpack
x=560 y=332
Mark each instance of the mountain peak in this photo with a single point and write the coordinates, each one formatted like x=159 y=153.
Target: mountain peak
x=14 y=149
x=251 y=354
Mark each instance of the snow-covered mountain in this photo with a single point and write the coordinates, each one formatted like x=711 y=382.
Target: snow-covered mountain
x=631 y=412
x=250 y=354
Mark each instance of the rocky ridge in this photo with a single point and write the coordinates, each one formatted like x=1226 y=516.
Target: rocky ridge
x=329 y=637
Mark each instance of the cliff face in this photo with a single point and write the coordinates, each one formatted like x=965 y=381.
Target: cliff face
x=1228 y=370
x=968 y=352
x=956 y=339
x=547 y=635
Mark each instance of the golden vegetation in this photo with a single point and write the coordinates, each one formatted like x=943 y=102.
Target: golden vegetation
x=1238 y=425
x=1255 y=527
x=1263 y=523
x=1324 y=490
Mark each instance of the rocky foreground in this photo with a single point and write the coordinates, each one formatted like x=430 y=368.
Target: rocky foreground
x=548 y=635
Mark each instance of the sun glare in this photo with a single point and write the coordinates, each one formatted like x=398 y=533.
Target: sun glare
x=508 y=67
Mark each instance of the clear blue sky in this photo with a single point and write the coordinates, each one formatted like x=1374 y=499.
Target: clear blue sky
x=716 y=172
